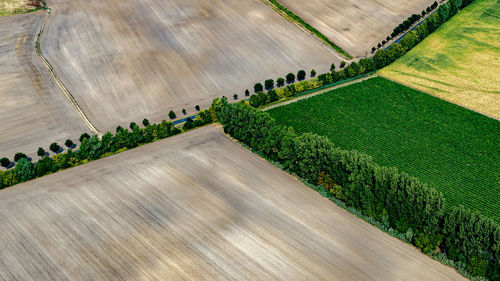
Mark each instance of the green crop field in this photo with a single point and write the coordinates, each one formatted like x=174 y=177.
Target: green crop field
x=459 y=62
x=451 y=148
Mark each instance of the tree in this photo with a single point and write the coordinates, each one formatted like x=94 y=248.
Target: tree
x=301 y=75
x=44 y=166
x=54 y=147
x=313 y=73
x=197 y=107
x=68 y=143
x=388 y=38
x=258 y=88
x=40 y=152
x=272 y=96
x=19 y=156
x=171 y=114
x=247 y=93
x=290 y=78
x=84 y=136
x=132 y=125
x=255 y=101
x=342 y=64
x=235 y=96
x=145 y=122
x=383 y=42
x=184 y=111
x=332 y=67
x=269 y=84
x=379 y=45
x=24 y=170
x=188 y=124
x=373 y=49
x=280 y=81
x=5 y=162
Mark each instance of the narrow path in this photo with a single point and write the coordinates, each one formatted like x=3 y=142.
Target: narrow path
x=59 y=83
x=319 y=92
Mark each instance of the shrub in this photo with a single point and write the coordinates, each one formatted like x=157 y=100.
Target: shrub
x=313 y=73
x=197 y=107
x=171 y=114
x=18 y=156
x=188 y=124
x=24 y=170
x=290 y=78
x=84 y=136
x=269 y=84
x=342 y=64
x=40 y=152
x=257 y=88
x=301 y=75
x=280 y=82
x=54 y=147
x=4 y=162
x=145 y=122
x=235 y=96
x=184 y=111
x=332 y=67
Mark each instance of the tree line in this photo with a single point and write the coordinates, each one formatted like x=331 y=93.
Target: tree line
x=383 y=193
x=382 y=58
x=92 y=148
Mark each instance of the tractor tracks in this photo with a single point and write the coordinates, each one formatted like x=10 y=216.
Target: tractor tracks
x=58 y=81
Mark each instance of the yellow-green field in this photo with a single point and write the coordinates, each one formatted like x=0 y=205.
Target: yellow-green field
x=460 y=62
x=10 y=7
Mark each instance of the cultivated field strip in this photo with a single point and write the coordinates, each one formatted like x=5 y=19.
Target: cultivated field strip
x=34 y=112
x=196 y=206
x=128 y=60
x=355 y=25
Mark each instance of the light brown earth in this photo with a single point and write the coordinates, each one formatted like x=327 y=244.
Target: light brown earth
x=192 y=207
x=356 y=25
x=8 y=7
x=125 y=60
x=33 y=111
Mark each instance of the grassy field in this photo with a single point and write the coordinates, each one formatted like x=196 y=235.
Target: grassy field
x=460 y=62
x=449 y=147
x=197 y=206
x=11 y=7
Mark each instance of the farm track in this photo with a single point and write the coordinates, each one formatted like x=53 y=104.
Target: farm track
x=195 y=206
x=58 y=81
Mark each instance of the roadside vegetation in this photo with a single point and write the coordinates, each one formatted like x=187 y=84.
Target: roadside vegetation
x=401 y=202
x=91 y=148
x=307 y=26
x=460 y=62
x=453 y=149
x=12 y=7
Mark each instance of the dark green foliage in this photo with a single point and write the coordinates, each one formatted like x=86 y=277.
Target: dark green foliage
x=24 y=170
x=184 y=111
x=301 y=75
x=54 y=147
x=5 y=162
x=313 y=73
x=18 y=156
x=257 y=88
x=269 y=84
x=247 y=93
x=145 y=122
x=83 y=136
x=451 y=148
x=235 y=96
x=197 y=107
x=40 y=152
x=92 y=148
x=290 y=78
x=332 y=67
x=68 y=143
x=280 y=82
x=45 y=166
x=171 y=114
x=133 y=125
x=188 y=125
x=342 y=64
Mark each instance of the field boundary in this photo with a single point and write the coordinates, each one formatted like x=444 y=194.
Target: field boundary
x=292 y=17
x=58 y=81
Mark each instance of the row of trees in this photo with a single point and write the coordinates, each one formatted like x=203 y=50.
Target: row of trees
x=381 y=59
x=93 y=147
x=383 y=193
x=280 y=82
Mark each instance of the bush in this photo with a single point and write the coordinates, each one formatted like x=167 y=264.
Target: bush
x=40 y=152
x=280 y=82
x=4 y=162
x=257 y=88
x=18 y=156
x=197 y=107
x=269 y=84
x=54 y=147
x=301 y=75
x=24 y=170
x=188 y=125
x=290 y=78
x=235 y=96
x=145 y=122
x=332 y=67
x=313 y=73
x=184 y=111
x=172 y=115
x=84 y=136
x=68 y=143
x=342 y=64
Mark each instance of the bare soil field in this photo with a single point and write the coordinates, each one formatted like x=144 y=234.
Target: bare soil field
x=33 y=110
x=128 y=60
x=356 y=25
x=8 y=7
x=192 y=207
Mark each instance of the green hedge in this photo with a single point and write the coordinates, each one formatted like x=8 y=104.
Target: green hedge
x=383 y=193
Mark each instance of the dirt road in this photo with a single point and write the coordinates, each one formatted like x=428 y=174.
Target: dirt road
x=33 y=110
x=195 y=206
